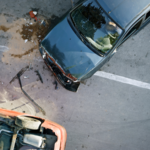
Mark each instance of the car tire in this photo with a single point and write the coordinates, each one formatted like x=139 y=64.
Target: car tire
x=27 y=122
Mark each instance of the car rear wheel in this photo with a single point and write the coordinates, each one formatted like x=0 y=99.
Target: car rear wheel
x=27 y=122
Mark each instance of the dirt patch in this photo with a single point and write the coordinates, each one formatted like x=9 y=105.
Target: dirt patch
x=32 y=32
x=25 y=38
x=26 y=53
x=5 y=29
x=18 y=47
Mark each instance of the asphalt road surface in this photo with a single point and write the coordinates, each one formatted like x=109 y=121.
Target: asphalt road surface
x=110 y=111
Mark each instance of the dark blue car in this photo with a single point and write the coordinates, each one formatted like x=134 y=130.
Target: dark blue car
x=89 y=35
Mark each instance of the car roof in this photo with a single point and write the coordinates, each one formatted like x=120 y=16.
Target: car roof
x=123 y=11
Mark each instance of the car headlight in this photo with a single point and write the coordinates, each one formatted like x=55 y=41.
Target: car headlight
x=69 y=81
x=44 y=55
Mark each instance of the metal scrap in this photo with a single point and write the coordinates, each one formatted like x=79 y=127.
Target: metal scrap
x=18 y=77
x=56 y=84
x=39 y=75
x=26 y=77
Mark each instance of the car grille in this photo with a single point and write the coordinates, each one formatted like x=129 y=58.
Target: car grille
x=63 y=79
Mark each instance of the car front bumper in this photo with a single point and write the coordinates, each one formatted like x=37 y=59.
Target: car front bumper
x=60 y=131
x=66 y=82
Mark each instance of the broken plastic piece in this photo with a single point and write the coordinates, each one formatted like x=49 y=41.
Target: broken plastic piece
x=35 y=13
x=26 y=41
x=43 y=23
x=56 y=84
x=30 y=66
x=32 y=15
x=26 y=77
x=37 y=73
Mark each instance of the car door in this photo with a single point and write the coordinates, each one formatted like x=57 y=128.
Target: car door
x=133 y=29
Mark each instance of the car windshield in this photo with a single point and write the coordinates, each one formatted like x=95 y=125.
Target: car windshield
x=96 y=27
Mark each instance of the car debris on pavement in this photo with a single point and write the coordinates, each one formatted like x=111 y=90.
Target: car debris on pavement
x=56 y=84
x=26 y=77
x=33 y=14
x=18 y=77
x=39 y=75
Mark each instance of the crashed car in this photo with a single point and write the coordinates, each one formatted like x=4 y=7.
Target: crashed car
x=89 y=36
x=20 y=131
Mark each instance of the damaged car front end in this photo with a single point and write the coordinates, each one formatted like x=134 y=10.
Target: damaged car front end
x=66 y=80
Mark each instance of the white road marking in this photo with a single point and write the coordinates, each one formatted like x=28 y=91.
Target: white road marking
x=123 y=79
x=3 y=48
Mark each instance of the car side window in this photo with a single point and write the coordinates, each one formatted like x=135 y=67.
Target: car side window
x=147 y=16
x=133 y=29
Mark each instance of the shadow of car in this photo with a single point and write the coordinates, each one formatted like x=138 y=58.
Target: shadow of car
x=81 y=43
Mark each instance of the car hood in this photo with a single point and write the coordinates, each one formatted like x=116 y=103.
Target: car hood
x=69 y=52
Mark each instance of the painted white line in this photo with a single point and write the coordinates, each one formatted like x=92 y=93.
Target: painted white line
x=3 y=48
x=123 y=79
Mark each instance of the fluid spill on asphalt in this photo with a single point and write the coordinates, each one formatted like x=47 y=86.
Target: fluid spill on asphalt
x=36 y=29
x=26 y=53
x=4 y=28
x=30 y=32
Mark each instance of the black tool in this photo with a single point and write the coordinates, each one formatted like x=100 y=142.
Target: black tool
x=37 y=73
x=56 y=84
